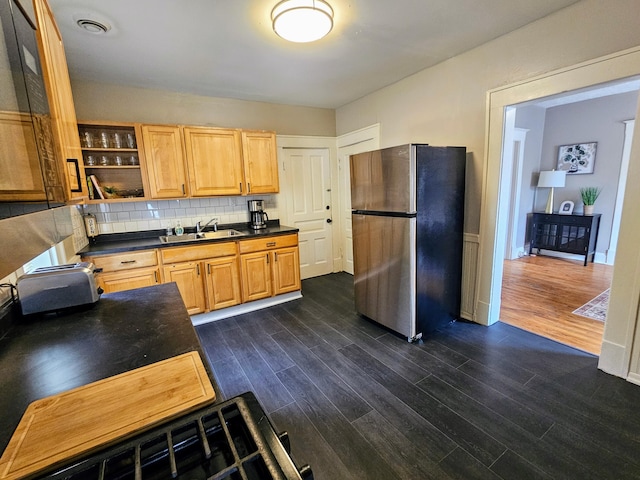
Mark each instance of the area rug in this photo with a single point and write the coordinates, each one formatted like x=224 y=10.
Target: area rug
x=596 y=308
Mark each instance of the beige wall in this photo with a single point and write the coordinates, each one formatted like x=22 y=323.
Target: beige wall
x=446 y=104
x=96 y=101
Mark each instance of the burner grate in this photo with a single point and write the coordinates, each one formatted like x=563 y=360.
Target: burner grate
x=233 y=440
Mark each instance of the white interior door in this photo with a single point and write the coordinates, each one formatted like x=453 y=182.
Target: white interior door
x=362 y=141
x=308 y=189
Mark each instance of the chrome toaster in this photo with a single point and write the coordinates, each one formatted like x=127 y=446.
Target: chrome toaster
x=47 y=289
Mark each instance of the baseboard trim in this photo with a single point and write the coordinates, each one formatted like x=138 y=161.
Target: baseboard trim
x=634 y=378
x=599 y=257
x=208 y=317
x=612 y=360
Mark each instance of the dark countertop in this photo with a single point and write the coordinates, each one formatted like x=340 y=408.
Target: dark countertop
x=46 y=355
x=123 y=242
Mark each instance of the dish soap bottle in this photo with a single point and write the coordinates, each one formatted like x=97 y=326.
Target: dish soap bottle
x=179 y=230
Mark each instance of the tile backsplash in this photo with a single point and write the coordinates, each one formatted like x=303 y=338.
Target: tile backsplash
x=159 y=214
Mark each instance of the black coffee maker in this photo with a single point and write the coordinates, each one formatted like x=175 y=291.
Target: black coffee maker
x=257 y=214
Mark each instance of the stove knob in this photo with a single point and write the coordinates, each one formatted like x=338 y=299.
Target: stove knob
x=284 y=439
x=306 y=473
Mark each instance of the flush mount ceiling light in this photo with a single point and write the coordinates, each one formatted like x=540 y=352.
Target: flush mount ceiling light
x=302 y=21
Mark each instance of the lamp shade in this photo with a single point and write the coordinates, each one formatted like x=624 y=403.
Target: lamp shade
x=302 y=21
x=552 y=178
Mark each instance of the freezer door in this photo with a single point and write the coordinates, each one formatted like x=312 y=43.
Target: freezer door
x=384 y=180
x=384 y=271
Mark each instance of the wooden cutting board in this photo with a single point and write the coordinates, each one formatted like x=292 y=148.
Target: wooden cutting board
x=56 y=428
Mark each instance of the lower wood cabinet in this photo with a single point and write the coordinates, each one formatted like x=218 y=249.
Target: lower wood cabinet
x=270 y=266
x=188 y=277
x=207 y=275
x=256 y=276
x=129 y=279
x=128 y=270
x=223 y=282
x=286 y=270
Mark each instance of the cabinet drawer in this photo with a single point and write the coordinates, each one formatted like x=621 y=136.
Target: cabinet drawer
x=126 y=261
x=129 y=279
x=576 y=220
x=268 y=243
x=197 y=252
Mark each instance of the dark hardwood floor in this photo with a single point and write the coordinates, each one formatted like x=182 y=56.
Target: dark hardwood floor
x=469 y=402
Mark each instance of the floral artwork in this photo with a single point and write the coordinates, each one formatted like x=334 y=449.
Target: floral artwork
x=578 y=158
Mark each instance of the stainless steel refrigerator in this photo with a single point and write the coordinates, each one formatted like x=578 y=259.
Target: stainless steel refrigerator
x=408 y=213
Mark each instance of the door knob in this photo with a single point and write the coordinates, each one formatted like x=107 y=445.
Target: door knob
x=329 y=220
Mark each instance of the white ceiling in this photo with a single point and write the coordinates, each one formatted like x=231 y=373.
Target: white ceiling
x=226 y=48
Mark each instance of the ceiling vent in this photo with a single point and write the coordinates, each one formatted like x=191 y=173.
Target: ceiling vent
x=93 y=26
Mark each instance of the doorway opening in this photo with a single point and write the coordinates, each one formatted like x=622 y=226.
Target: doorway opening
x=541 y=293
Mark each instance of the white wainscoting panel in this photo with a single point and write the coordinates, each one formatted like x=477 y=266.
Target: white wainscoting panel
x=471 y=243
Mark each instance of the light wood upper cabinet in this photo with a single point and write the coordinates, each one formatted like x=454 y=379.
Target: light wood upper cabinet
x=21 y=178
x=63 y=114
x=194 y=161
x=260 y=162
x=164 y=161
x=214 y=159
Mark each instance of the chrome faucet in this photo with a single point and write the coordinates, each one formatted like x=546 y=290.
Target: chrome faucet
x=199 y=229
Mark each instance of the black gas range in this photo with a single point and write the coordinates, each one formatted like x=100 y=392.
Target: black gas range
x=232 y=440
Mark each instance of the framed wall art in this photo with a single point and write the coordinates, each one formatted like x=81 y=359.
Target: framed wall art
x=578 y=158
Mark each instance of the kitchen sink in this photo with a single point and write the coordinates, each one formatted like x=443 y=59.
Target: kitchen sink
x=196 y=237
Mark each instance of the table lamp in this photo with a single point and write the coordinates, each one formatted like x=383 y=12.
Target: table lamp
x=551 y=179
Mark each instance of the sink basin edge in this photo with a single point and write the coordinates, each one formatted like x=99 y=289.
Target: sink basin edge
x=193 y=237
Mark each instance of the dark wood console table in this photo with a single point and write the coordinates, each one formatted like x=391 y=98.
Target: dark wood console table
x=564 y=233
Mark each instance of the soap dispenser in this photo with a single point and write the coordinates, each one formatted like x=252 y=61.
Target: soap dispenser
x=179 y=229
